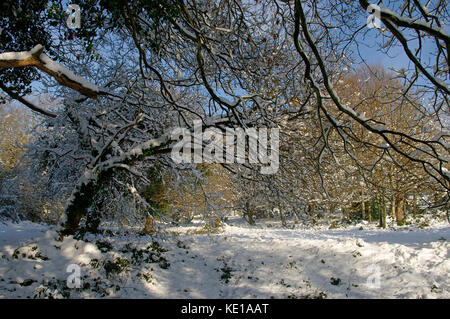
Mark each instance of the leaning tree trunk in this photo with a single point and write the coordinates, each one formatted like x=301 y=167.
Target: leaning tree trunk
x=78 y=206
x=93 y=180
x=80 y=202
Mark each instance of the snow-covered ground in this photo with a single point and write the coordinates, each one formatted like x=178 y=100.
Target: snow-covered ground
x=241 y=261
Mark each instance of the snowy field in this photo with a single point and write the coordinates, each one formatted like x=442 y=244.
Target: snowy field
x=240 y=261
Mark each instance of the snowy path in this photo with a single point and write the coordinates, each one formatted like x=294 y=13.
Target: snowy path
x=241 y=262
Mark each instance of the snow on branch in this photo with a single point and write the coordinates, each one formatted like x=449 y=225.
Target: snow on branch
x=400 y=21
x=36 y=57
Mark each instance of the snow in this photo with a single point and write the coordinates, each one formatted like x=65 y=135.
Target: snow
x=10 y=56
x=240 y=261
x=14 y=234
x=60 y=70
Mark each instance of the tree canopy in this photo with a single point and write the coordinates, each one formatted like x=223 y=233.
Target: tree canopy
x=305 y=67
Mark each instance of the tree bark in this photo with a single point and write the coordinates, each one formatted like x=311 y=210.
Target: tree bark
x=363 y=209
x=399 y=209
x=393 y=206
x=414 y=205
x=77 y=208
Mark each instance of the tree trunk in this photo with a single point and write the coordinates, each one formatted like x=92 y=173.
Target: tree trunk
x=363 y=206
x=149 y=229
x=79 y=204
x=297 y=215
x=405 y=207
x=249 y=213
x=282 y=217
x=399 y=209
x=78 y=208
x=363 y=210
x=382 y=211
x=393 y=206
